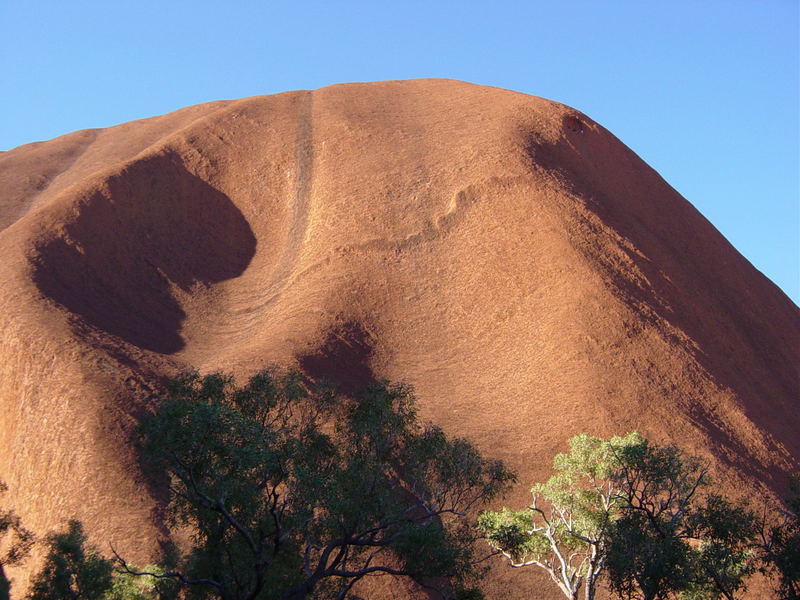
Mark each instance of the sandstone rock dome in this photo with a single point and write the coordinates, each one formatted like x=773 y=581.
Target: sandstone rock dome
x=520 y=266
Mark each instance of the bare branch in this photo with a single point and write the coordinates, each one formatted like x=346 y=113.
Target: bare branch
x=168 y=575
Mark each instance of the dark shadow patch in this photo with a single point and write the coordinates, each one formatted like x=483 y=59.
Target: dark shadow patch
x=152 y=228
x=573 y=124
x=342 y=359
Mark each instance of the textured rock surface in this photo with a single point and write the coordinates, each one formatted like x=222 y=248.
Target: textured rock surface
x=510 y=258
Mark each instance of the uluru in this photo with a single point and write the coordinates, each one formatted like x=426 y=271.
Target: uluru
x=528 y=274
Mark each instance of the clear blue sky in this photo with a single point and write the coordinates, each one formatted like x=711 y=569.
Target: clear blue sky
x=706 y=91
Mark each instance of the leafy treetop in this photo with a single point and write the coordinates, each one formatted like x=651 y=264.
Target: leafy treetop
x=294 y=491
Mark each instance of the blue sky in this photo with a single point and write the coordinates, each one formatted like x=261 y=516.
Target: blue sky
x=705 y=91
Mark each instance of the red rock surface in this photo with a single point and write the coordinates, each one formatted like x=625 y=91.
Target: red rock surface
x=506 y=255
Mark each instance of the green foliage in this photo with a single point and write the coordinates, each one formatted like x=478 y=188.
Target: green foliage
x=645 y=562
x=71 y=570
x=512 y=532
x=725 y=555
x=630 y=511
x=649 y=550
x=126 y=586
x=129 y=587
x=567 y=534
x=294 y=491
x=781 y=547
x=75 y=571
x=670 y=538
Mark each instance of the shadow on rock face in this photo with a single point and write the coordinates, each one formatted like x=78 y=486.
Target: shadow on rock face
x=343 y=359
x=151 y=230
x=673 y=249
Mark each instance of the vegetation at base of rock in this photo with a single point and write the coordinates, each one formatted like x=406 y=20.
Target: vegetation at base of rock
x=71 y=569
x=672 y=537
x=15 y=541
x=637 y=515
x=294 y=491
x=780 y=544
x=564 y=530
x=74 y=570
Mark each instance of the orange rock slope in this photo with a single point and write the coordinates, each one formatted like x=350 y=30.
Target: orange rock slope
x=506 y=255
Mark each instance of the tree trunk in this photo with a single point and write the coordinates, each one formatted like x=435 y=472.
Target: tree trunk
x=576 y=592
x=572 y=594
x=589 y=593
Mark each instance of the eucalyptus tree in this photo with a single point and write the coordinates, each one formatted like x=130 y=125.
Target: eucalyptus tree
x=565 y=529
x=672 y=536
x=779 y=544
x=650 y=555
x=634 y=514
x=293 y=491
x=725 y=549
